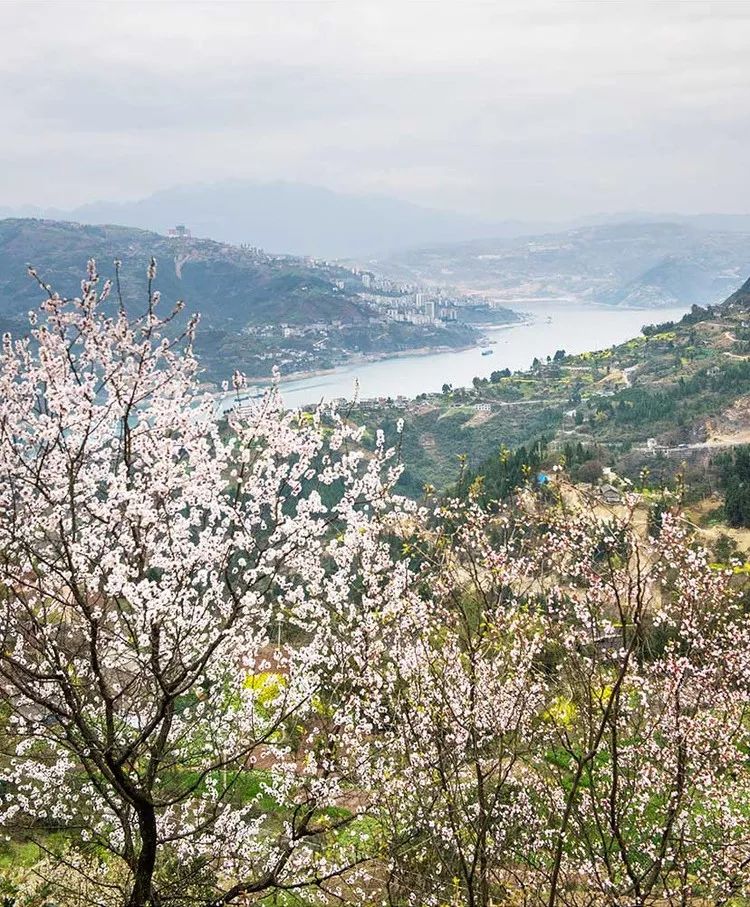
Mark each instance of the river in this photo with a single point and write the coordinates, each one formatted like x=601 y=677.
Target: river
x=573 y=327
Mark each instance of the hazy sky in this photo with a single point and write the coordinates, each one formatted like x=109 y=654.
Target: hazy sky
x=546 y=109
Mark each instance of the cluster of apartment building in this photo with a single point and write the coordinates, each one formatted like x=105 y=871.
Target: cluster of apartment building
x=414 y=308
x=406 y=303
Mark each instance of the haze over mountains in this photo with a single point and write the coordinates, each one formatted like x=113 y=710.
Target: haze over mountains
x=283 y=217
x=632 y=264
x=300 y=219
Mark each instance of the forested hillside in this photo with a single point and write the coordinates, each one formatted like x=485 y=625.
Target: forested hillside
x=228 y=283
x=677 y=391
x=258 y=310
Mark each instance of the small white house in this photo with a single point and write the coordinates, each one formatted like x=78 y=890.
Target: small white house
x=610 y=495
x=483 y=407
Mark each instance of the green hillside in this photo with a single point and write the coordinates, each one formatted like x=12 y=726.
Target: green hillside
x=672 y=398
x=257 y=310
x=227 y=283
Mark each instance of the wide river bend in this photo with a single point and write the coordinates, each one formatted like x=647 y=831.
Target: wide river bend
x=572 y=327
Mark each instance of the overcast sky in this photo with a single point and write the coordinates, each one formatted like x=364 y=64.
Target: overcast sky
x=528 y=110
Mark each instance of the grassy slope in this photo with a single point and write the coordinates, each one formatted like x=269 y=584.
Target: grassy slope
x=675 y=385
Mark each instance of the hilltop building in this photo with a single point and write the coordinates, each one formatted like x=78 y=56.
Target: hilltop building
x=179 y=232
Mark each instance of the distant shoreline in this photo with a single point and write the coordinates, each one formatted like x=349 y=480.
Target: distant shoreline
x=363 y=358
x=453 y=361
x=262 y=384
x=353 y=361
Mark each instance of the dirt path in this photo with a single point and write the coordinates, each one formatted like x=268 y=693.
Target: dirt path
x=733 y=441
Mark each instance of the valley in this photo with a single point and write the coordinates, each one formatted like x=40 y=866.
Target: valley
x=625 y=264
x=543 y=330
x=259 y=311
x=568 y=369
x=667 y=400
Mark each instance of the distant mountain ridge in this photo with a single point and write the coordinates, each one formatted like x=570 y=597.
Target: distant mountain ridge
x=288 y=217
x=632 y=264
x=708 y=221
x=301 y=219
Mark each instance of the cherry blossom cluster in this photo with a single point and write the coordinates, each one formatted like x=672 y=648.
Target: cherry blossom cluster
x=236 y=666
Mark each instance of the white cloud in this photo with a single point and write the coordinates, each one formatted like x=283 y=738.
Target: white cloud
x=509 y=109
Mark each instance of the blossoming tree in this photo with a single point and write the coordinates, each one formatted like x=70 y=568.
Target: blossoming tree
x=183 y=618
x=569 y=714
x=234 y=667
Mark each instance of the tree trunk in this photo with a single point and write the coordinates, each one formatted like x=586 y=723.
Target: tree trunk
x=142 y=893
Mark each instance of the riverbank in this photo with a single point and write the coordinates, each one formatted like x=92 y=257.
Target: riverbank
x=410 y=373
x=514 y=346
x=358 y=359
